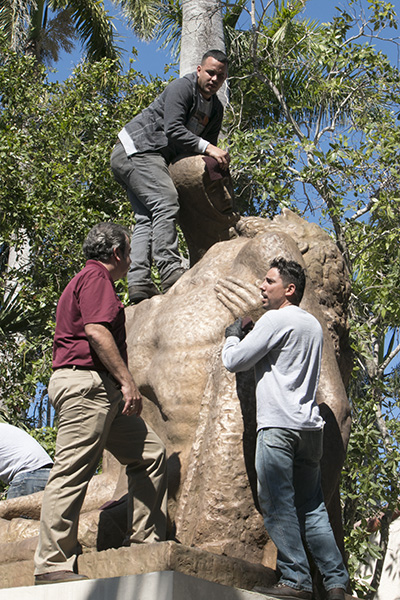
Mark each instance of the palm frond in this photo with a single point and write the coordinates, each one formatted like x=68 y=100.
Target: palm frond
x=14 y=21
x=60 y=34
x=142 y=16
x=169 y=28
x=14 y=317
x=94 y=26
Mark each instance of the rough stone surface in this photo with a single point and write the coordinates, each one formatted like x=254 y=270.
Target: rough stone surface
x=146 y=558
x=205 y=415
x=101 y=489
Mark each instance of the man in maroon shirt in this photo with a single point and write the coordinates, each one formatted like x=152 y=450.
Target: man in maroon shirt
x=98 y=406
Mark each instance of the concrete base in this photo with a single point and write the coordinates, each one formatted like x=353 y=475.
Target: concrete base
x=163 y=571
x=167 y=585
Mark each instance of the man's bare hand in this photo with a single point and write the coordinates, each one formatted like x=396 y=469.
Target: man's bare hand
x=103 y=343
x=239 y=297
x=132 y=398
x=221 y=156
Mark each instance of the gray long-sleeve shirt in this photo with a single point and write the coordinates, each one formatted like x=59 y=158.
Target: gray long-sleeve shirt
x=285 y=348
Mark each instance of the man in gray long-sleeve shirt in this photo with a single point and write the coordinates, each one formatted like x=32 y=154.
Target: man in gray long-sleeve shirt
x=185 y=118
x=285 y=349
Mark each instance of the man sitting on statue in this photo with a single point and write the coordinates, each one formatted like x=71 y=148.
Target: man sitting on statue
x=185 y=118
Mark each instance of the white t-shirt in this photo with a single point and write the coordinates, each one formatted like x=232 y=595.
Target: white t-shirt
x=19 y=452
x=285 y=347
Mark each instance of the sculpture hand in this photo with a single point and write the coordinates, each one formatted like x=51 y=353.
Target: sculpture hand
x=239 y=297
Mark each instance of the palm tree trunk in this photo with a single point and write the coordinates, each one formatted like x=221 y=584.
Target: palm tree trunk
x=202 y=30
x=35 y=33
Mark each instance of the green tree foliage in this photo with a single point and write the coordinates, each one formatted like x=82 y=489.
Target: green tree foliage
x=314 y=126
x=41 y=28
x=162 y=20
x=55 y=144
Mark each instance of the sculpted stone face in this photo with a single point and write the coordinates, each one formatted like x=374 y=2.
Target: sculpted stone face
x=206 y=200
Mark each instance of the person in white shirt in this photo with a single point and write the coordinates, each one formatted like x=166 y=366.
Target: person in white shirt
x=24 y=464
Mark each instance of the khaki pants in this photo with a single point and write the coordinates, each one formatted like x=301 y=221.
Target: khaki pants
x=89 y=406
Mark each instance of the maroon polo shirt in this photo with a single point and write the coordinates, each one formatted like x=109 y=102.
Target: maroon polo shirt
x=90 y=297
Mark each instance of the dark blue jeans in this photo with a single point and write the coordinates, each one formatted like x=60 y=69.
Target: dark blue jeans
x=27 y=483
x=291 y=500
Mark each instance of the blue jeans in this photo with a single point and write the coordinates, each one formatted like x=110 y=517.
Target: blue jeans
x=27 y=483
x=291 y=500
x=154 y=201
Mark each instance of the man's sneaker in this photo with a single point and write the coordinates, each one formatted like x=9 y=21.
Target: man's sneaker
x=280 y=590
x=169 y=281
x=58 y=577
x=143 y=291
x=336 y=594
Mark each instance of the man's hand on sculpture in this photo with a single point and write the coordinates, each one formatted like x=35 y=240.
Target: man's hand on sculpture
x=221 y=156
x=103 y=343
x=247 y=325
x=132 y=398
x=235 y=329
x=239 y=297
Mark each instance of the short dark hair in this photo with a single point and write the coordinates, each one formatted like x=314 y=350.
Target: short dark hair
x=217 y=54
x=291 y=272
x=103 y=238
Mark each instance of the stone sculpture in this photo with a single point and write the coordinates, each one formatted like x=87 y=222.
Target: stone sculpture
x=206 y=200
x=205 y=415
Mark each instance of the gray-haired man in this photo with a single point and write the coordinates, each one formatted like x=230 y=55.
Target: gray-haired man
x=98 y=406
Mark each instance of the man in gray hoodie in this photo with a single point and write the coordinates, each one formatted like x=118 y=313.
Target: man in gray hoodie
x=185 y=118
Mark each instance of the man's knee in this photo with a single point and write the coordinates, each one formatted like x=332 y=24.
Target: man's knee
x=168 y=206
x=161 y=452
x=118 y=163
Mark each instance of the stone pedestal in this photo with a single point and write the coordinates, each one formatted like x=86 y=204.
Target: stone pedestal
x=147 y=558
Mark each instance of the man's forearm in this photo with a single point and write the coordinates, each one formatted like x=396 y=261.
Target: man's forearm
x=103 y=343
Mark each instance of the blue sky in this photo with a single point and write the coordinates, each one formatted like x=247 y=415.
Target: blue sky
x=152 y=60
